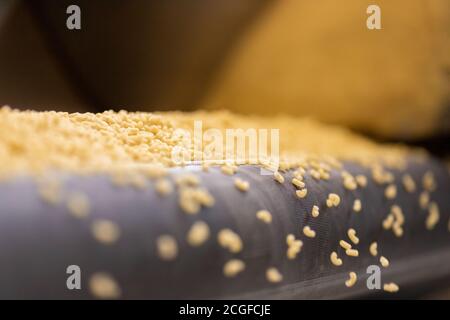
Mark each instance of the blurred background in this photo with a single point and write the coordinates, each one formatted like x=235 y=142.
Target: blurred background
x=300 y=57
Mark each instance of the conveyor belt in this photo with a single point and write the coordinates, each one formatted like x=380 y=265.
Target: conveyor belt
x=38 y=241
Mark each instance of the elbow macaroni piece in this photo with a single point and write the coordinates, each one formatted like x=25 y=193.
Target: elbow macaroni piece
x=352 y=280
x=352 y=235
x=335 y=260
x=307 y=231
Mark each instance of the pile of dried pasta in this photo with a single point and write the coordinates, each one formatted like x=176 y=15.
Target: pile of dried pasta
x=35 y=141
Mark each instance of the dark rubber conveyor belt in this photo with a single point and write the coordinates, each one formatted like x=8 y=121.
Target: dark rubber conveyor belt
x=38 y=240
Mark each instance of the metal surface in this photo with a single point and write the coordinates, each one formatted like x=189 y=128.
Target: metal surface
x=5 y=7
x=143 y=54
